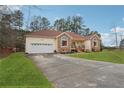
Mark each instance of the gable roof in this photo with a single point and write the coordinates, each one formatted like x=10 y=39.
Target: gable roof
x=75 y=36
x=45 y=33
x=89 y=37
x=54 y=34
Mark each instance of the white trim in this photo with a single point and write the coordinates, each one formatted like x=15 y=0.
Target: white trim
x=96 y=36
x=62 y=34
x=64 y=40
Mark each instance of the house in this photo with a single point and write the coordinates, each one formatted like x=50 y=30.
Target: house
x=122 y=44
x=50 y=41
x=92 y=43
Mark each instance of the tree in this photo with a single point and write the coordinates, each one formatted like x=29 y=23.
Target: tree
x=20 y=40
x=86 y=31
x=72 y=24
x=17 y=19
x=60 y=24
x=68 y=24
x=34 y=25
x=77 y=22
x=4 y=10
x=4 y=29
x=56 y=24
x=7 y=35
x=39 y=23
x=10 y=26
x=45 y=23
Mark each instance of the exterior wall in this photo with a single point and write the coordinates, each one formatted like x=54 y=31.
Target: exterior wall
x=97 y=47
x=87 y=45
x=61 y=48
x=30 y=40
x=56 y=45
x=79 y=45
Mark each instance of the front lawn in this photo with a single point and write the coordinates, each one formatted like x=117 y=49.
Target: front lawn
x=16 y=70
x=114 y=56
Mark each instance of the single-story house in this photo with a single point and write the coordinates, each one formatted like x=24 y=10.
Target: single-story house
x=50 y=41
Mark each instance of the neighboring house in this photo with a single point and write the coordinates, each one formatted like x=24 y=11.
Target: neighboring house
x=122 y=44
x=50 y=41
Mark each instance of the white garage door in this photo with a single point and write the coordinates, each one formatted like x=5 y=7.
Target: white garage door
x=41 y=48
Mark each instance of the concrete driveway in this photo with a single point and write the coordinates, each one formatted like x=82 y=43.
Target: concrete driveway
x=68 y=72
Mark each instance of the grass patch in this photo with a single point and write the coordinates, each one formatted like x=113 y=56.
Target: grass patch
x=16 y=70
x=114 y=56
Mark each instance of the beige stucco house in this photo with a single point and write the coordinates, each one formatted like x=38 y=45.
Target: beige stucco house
x=50 y=41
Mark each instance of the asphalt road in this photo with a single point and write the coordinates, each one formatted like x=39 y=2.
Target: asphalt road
x=68 y=72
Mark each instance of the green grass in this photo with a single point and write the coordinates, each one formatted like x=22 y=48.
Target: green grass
x=16 y=70
x=114 y=56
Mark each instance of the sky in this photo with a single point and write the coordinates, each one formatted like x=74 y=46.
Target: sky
x=103 y=19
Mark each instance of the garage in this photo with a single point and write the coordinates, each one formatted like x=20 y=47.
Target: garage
x=41 y=48
x=40 y=45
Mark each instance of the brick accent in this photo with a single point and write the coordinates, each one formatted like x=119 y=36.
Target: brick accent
x=63 y=49
x=95 y=48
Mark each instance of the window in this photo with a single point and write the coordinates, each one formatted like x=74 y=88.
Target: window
x=64 y=40
x=94 y=43
x=64 y=43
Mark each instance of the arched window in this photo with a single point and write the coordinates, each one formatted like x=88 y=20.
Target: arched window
x=64 y=41
x=95 y=43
